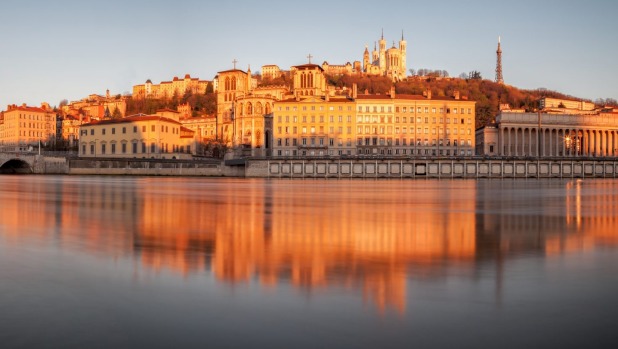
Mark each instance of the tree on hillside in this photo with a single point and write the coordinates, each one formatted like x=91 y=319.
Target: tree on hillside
x=116 y=114
x=475 y=75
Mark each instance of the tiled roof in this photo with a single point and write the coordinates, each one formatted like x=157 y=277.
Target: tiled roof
x=232 y=71
x=308 y=66
x=133 y=118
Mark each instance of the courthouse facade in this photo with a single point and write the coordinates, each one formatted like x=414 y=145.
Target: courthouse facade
x=551 y=135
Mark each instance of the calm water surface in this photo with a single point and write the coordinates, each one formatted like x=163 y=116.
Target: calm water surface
x=114 y=262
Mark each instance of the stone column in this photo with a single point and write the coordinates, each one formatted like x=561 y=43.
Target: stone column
x=516 y=142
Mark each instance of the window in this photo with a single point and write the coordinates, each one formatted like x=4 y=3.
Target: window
x=113 y=148
x=135 y=148
x=124 y=130
x=102 y=148
x=134 y=129
x=91 y=148
x=103 y=131
x=152 y=128
x=113 y=131
x=124 y=148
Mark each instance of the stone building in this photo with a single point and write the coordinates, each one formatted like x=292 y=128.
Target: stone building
x=271 y=71
x=315 y=122
x=167 y=89
x=551 y=135
x=390 y=62
x=23 y=128
x=97 y=106
x=139 y=136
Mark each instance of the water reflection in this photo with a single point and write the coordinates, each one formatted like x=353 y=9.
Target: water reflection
x=363 y=236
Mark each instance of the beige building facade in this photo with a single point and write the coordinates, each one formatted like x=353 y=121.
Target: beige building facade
x=141 y=136
x=167 y=89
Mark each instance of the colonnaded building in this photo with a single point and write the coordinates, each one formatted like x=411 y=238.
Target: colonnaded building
x=573 y=129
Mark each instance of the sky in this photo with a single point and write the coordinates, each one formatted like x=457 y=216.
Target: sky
x=67 y=49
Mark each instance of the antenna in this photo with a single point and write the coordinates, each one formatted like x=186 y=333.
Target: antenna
x=499 y=78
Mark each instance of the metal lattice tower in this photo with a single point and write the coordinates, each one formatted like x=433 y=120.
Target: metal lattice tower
x=499 y=78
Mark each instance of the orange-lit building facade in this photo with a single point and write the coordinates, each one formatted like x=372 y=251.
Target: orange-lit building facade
x=168 y=89
x=316 y=122
x=141 y=136
x=23 y=127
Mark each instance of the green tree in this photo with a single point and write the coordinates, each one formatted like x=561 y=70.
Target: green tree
x=116 y=114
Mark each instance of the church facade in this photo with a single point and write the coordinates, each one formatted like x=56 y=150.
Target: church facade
x=390 y=62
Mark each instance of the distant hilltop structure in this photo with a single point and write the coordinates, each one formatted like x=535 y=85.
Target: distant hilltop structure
x=381 y=61
x=386 y=62
x=167 y=89
x=499 y=78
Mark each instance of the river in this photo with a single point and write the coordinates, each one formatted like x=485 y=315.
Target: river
x=114 y=262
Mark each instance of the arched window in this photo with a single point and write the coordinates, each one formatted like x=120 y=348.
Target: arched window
x=227 y=84
x=249 y=108
x=242 y=109
x=234 y=83
x=258 y=108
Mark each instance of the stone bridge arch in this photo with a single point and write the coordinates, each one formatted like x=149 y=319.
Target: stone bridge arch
x=15 y=166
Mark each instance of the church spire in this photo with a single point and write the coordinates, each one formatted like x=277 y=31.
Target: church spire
x=402 y=39
x=382 y=33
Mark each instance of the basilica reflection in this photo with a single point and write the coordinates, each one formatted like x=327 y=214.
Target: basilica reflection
x=367 y=237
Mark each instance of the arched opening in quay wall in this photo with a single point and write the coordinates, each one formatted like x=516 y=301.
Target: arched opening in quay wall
x=16 y=166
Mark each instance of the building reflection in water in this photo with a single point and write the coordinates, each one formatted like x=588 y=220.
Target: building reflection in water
x=369 y=237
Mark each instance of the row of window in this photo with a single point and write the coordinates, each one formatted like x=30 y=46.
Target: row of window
x=164 y=148
x=374 y=119
x=373 y=141
x=313 y=108
x=370 y=130
x=164 y=129
x=35 y=117
x=313 y=118
x=374 y=151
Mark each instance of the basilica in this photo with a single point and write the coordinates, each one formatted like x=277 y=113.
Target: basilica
x=386 y=62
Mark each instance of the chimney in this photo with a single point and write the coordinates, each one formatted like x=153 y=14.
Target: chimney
x=366 y=91
x=456 y=94
x=354 y=91
x=327 y=97
x=428 y=93
x=393 y=92
x=297 y=96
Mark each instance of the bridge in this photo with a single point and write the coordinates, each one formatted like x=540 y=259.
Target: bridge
x=17 y=163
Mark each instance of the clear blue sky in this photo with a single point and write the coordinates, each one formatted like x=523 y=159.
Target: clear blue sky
x=57 y=49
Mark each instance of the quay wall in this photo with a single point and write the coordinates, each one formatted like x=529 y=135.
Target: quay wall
x=334 y=168
x=140 y=167
x=431 y=168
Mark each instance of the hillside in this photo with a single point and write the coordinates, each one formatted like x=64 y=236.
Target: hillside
x=487 y=94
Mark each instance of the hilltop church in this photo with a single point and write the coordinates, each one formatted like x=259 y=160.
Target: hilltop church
x=386 y=62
